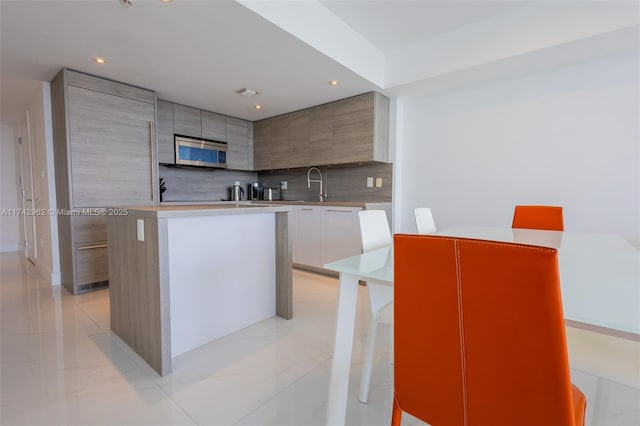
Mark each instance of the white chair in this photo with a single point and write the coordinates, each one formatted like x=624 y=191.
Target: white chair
x=424 y=220
x=375 y=233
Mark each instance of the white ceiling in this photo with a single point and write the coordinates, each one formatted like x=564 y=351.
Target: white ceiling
x=200 y=52
x=390 y=25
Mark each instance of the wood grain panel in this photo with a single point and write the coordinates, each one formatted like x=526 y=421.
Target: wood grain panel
x=202 y=185
x=280 y=142
x=321 y=134
x=238 y=143
x=88 y=229
x=187 y=121
x=92 y=263
x=139 y=289
x=353 y=129
x=166 y=147
x=299 y=139
x=110 y=87
x=284 y=280
x=344 y=183
x=262 y=145
x=112 y=150
x=61 y=158
x=214 y=126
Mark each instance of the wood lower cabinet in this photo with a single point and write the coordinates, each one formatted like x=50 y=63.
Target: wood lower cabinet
x=105 y=155
x=92 y=263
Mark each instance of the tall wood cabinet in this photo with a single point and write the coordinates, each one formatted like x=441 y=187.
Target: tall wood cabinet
x=105 y=157
x=351 y=130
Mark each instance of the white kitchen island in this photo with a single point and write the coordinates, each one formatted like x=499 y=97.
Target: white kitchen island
x=182 y=276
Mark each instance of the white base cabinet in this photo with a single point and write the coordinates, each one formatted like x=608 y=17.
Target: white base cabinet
x=324 y=234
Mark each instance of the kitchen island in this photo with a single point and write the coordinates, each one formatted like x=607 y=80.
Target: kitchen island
x=182 y=276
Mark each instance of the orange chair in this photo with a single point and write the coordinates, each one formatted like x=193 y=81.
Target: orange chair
x=538 y=217
x=479 y=335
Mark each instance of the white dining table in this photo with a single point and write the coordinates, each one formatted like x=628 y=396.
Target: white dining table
x=599 y=279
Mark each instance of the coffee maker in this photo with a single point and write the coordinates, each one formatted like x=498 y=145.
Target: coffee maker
x=255 y=191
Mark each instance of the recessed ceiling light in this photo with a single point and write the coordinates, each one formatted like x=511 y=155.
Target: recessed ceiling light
x=334 y=82
x=99 y=60
x=166 y=1
x=247 y=92
x=258 y=106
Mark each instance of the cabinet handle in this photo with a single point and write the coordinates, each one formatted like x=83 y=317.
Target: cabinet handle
x=339 y=211
x=306 y=210
x=153 y=177
x=93 y=247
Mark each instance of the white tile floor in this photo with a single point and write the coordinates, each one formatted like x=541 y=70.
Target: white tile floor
x=61 y=365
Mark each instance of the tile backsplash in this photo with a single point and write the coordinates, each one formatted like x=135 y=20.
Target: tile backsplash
x=339 y=183
x=346 y=183
x=202 y=185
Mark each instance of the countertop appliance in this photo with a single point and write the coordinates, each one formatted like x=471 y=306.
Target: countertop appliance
x=237 y=192
x=255 y=191
x=200 y=152
x=271 y=194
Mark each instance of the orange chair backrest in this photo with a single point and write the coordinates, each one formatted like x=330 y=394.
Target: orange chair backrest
x=479 y=333
x=538 y=217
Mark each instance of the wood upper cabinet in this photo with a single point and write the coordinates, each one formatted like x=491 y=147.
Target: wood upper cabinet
x=166 y=149
x=262 y=145
x=321 y=134
x=299 y=139
x=239 y=144
x=280 y=142
x=214 y=126
x=351 y=130
x=187 y=121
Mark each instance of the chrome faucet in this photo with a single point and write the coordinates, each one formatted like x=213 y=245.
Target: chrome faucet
x=309 y=181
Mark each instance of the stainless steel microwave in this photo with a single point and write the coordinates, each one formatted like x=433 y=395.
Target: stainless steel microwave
x=199 y=152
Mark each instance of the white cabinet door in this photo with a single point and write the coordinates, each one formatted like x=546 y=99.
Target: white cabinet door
x=340 y=233
x=307 y=246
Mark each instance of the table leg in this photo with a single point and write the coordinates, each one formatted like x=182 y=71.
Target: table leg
x=339 y=376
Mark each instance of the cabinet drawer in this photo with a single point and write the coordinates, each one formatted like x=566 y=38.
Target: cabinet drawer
x=92 y=263
x=87 y=229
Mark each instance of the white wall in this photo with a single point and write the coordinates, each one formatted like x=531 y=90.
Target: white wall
x=9 y=224
x=567 y=136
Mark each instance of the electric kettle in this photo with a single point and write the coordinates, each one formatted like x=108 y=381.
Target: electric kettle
x=237 y=192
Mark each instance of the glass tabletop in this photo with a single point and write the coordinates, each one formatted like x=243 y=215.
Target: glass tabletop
x=375 y=264
x=599 y=273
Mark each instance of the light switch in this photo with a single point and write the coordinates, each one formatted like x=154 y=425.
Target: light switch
x=378 y=182
x=140 y=223
x=283 y=184
x=370 y=182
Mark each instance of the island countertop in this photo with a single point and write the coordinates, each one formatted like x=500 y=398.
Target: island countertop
x=193 y=210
